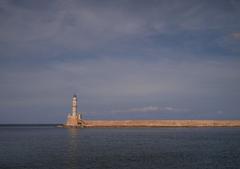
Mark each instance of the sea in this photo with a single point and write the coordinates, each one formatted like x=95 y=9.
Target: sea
x=51 y=147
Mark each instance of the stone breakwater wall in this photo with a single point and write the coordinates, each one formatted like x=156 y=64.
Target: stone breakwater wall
x=161 y=123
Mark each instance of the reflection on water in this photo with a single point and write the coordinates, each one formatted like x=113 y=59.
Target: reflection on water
x=73 y=148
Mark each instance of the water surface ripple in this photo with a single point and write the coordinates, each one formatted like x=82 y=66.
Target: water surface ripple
x=48 y=147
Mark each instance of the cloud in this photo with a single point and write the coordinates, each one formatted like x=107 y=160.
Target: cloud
x=119 y=55
x=147 y=109
x=81 y=25
x=119 y=81
x=151 y=109
x=220 y=112
x=174 y=109
x=71 y=25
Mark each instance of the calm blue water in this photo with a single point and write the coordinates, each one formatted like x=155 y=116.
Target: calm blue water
x=48 y=147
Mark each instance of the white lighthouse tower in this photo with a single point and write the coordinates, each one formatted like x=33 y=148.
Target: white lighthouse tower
x=74 y=105
x=74 y=118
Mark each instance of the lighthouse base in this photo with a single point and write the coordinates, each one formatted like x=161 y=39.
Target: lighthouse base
x=74 y=121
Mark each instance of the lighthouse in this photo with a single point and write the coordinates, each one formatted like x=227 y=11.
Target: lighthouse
x=74 y=118
x=74 y=105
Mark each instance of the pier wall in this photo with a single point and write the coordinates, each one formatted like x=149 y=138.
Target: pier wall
x=161 y=123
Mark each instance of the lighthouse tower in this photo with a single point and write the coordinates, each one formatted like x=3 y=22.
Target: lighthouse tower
x=74 y=105
x=74 y=118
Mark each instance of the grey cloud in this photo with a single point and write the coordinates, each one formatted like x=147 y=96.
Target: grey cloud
x=117 y=55
x=151 y=109
x=138 y=110
x=108 y=80
x=81 y=25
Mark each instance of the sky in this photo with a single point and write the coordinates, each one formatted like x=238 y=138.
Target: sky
x=125 y=59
